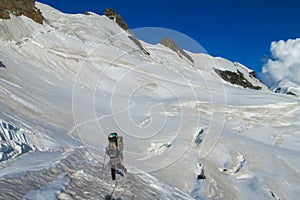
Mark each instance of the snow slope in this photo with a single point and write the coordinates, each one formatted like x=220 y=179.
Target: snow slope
x=78 y=77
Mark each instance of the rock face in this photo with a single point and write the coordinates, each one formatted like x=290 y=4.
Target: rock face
x=137 y=42
x=168 y=42
x=236 y=78
x=20 y=7
x=112 y=14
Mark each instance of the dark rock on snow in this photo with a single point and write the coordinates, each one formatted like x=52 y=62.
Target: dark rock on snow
x=236 y=78
x=20 y=7
x=112 y=14
x=137 y=42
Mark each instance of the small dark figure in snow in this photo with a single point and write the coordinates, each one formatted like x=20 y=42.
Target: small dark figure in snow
x=200 y=170
x=115 y=152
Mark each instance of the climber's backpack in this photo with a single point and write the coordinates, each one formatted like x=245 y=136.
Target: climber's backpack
x=120 y=145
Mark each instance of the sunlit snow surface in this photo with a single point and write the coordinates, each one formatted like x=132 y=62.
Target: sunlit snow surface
x=68 y=83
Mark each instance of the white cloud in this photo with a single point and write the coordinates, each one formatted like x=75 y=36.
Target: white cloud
x=284 y=64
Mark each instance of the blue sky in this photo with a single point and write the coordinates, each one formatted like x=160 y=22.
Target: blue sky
x=240 y=31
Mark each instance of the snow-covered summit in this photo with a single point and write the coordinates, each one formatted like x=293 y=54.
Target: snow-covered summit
x=281 y=72
x=78 y=77
x=286 y=87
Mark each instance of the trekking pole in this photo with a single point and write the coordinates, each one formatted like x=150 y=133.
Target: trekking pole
x=114 y=188
x=104 y=162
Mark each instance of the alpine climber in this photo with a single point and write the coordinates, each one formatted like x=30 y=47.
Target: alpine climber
x=115 y=152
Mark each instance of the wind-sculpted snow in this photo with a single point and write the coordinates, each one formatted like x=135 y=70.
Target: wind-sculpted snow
x=16 y=141
x=77 y=78
x=75 y=174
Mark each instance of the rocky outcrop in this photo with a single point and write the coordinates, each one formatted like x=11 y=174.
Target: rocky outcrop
x=1 y=64
x=286 y=87
x=168 y=42
x=88 y=13
x=252 y=74
x=291 y=93
x=284 y=91
x=236 y=78
x=20 y=7
x=113 y=15
x=137 y=42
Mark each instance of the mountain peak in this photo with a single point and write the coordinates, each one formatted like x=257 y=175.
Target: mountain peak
x=20 y=7
x=112 y=14
x=67 y=84
x=285 y=86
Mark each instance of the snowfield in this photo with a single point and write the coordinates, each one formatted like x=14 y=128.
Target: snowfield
x=67 y=84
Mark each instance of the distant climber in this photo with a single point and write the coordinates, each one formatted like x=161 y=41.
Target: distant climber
x=200 y=171
x=115 y=152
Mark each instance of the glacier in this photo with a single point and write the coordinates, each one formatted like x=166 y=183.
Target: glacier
x=68 y=83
